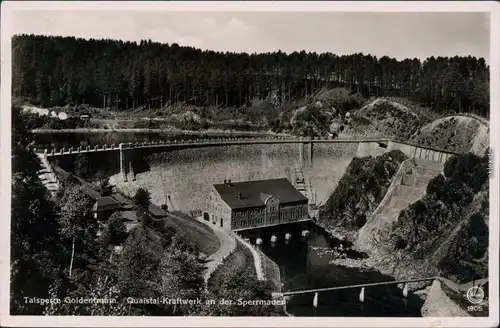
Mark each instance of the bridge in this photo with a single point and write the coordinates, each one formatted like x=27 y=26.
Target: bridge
x=358 y=286
x=305 y=148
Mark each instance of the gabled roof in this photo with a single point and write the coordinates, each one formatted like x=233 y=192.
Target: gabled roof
x=106 y=204
x=252 y=194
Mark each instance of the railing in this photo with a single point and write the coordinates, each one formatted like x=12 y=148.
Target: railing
x=309 y=291
x=214 y=141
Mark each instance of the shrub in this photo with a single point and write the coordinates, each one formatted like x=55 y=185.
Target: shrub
x=435 y=185
x=105 y=188
x=360 y=221
x=142 y=198
x=82 y=166
x=400 y=243
x=116 y=228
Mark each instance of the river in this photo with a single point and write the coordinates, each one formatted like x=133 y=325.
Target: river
x=304 y=264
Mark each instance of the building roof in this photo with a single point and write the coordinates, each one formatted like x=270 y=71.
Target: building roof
x=106 y=204
x=248 y=194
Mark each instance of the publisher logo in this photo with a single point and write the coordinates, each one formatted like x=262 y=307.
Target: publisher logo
x=475 y=295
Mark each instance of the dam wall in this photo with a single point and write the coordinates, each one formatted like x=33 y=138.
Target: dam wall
x=180 y=174
x=373 y=149
x=422 y=152
x=186 y=175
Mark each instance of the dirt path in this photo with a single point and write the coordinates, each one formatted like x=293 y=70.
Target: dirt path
x=227 y=243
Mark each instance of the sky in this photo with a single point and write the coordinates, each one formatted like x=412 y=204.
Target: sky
x=397 y=35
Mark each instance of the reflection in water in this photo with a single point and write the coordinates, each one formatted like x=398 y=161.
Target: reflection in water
x=304 y=264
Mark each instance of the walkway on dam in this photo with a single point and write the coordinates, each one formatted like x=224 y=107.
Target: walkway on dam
x=227 y=243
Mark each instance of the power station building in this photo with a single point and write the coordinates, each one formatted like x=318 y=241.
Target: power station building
x=254 y=204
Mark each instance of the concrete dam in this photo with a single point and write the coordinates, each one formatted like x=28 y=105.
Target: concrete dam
x=186 y=175
x=180 y=174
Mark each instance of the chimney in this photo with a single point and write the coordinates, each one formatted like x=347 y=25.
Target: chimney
x=239 y=195
x=225 y=181
x=229 y=181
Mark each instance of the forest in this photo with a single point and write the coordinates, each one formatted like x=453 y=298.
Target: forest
x=60 y=251
x=58 y=71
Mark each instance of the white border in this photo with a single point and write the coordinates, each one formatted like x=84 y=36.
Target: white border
x=399 y=6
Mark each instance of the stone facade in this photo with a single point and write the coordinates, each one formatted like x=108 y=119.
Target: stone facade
x=218 y=212
x=272 y=213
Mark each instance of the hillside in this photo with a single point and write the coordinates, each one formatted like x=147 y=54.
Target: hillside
x=389 y=118
x=406 y=121
x=448 y=227
x=435 y=220
x=359 y=192
x=442 y=230
x=459 y=134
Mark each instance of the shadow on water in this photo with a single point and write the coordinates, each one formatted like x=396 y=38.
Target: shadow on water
x=305 y=264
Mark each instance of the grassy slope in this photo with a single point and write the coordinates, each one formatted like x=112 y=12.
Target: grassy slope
x=241 y=258
x=197 y=232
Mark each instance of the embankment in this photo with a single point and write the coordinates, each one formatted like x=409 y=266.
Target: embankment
x=438 y=304
x=187 y=175
x=456 y=133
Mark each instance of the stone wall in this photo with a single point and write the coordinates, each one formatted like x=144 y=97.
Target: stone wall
x=188 y=174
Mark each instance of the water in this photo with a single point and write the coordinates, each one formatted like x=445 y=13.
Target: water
x=304 y=264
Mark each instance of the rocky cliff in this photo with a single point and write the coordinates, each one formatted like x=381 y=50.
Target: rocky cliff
x=359 y=192
x=432 y=219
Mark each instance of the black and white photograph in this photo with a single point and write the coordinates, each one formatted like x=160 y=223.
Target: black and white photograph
x=289 y=164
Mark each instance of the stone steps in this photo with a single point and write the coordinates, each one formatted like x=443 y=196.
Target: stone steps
x=407 y=193
x=412 y=187
x=415 y=180
x=47 y=176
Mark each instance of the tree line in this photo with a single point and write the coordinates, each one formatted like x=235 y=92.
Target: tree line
x=53 y=71
x=60 y=250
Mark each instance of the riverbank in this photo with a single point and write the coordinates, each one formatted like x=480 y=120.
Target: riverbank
x=401 y=267
x=384 y=261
